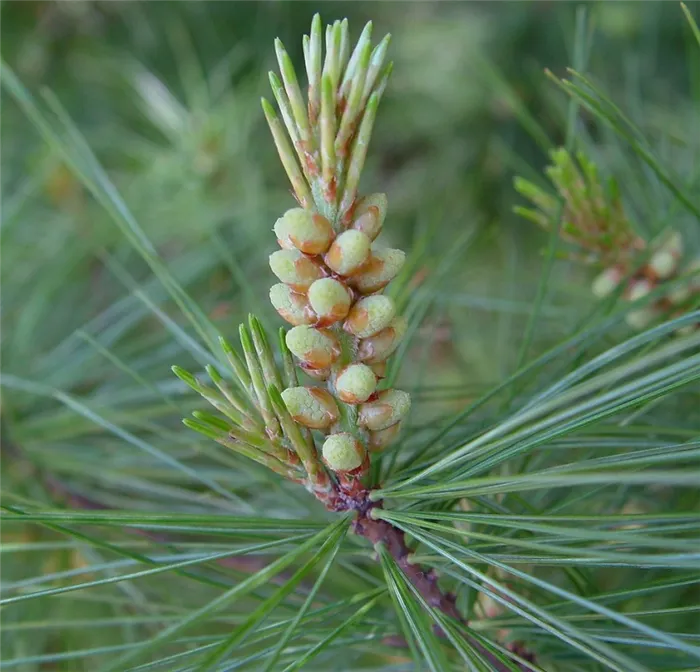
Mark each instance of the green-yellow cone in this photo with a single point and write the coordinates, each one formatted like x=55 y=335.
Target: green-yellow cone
x=348 y=253
x=355 y=384
x=607 y=282
x=382 y=267
x=316 y=348
x=369 y=215
x=295 y=269
x=343 y=452
x=311 y=406
x=369 y=316
x=390 y=407
x=664 y=262
x=330 y=300
x=379 y=347
x=291 y=306
x=303 y=230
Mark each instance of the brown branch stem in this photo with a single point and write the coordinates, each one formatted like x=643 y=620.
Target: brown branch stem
x=425 y=581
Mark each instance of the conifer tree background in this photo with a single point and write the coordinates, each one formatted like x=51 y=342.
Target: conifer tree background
x=546 y=477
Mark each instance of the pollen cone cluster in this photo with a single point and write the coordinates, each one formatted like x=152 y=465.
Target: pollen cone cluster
x=665 y=267
x=330 y=267
x=594 y=223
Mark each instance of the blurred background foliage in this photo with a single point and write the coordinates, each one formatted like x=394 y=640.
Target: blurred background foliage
x=167 y=96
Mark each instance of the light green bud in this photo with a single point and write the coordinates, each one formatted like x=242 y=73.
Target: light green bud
x=665 y=260
x=384 y=265
x=343 y=452
x=348 y=253
x=382 y=438
x=370 y=315
x=330 y=300
x=369 y=215
x=295 y=269
x=663 y=264
x=355 y=384
x=639 y=289
x=607 y=282
x=390 y=407
x=306 y=231
x=379 y=347
x=316 y=348
x=291 y=306
x=311 y=406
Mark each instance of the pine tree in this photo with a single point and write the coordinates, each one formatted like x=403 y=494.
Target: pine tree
x=320 y=515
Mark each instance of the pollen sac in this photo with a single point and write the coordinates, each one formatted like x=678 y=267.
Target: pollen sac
x=383 y=266
x=382 y=438
x=379 y=347
x=312 y=407
x=291 y=306
x=295 y=269
x=370 y=315
x=342 y=452
x=369 y=215
x=316 y=348
x=348 y=253
x=355 y=384
x=607 y=282
x=664 y=262
x=390 y=407
x=305 y=231
x=330 y=300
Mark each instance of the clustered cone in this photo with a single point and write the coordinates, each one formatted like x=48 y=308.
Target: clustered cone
x=330 y=267
x=594 y=222
x=343 y=329
x=664 y=267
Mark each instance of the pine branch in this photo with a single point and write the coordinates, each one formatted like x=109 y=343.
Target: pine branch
x=652 y=274
x=378 y=531
x=62 y=492
x=343 y=328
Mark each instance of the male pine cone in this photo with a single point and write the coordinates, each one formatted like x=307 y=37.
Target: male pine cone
x=331 y=270
x=341 y=334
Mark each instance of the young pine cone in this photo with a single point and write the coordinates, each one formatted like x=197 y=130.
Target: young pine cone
x=343 y=328
x=330 y=267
